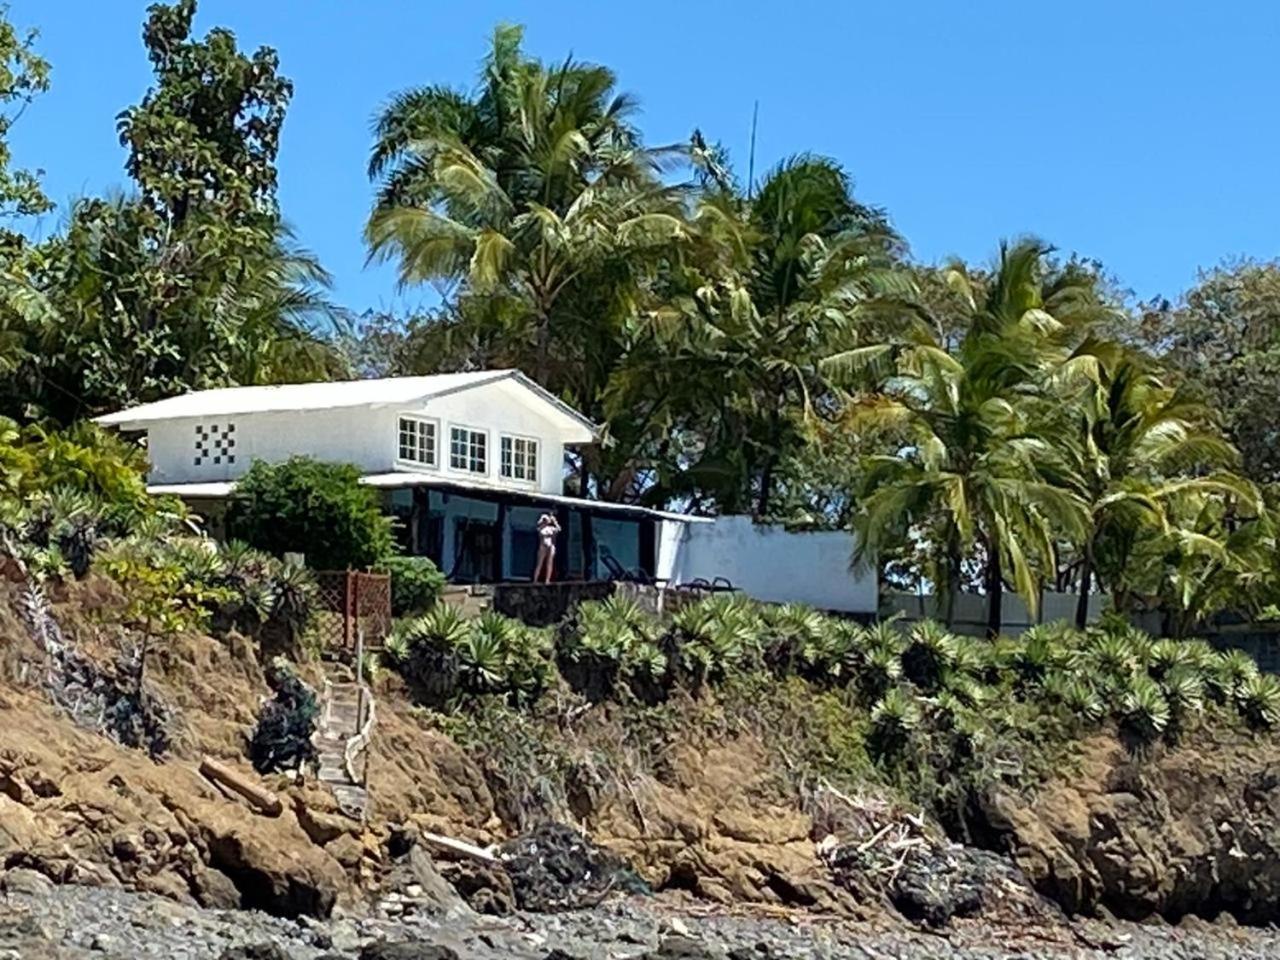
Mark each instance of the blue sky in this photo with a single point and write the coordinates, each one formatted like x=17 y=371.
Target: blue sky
x=1141 y=133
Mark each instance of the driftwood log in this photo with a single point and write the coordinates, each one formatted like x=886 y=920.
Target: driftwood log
x=259 y=797
x=458 y=848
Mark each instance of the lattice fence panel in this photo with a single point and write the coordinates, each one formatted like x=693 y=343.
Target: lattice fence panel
x=349 y=601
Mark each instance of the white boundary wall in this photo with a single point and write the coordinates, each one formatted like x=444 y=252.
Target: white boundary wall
x=768 y=562
x=971 y=610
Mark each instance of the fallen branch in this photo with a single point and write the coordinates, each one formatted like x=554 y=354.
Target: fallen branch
x=459 y=847
x=259 y=797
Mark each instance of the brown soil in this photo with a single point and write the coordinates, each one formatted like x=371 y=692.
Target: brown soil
x=1189 y=830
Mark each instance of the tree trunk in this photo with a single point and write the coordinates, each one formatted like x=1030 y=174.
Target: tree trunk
x=1086 y=584
x=952 y=585
x=766 y=487
x=995 y=593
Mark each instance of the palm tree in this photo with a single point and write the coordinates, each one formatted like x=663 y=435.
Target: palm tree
x=535 y=191
x=974 y=470
x=1138 y=440
x=770 y=285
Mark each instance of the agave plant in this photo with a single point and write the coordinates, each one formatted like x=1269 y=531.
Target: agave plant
x=894 y=718
x=529 y=662
x=482 y=655
x=880 y=663
x=966 y=688
x=1258 y=699
x=1234 y=668
x=1077 y=695
x=1040 y=651
x=793 y=630
x=1167 y=655
x=293 y=599
x=75 y=522
x=930 y=653
x=1143 y=709
x=427 y=651
x=1115 y=657
x=1183 y=688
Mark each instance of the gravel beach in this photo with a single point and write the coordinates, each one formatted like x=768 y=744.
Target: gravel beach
x=79 y=923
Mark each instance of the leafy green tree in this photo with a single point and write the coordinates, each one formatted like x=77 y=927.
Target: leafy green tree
x=1223 y=339
x=195 y=282
x=534 y=200
x=205 y=137
x=730 y=360
x=24 y=75
x=320 y=510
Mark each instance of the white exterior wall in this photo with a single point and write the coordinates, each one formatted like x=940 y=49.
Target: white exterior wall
x=359 y=435
x=768 y=562
x=368 y=437
x=499 y=408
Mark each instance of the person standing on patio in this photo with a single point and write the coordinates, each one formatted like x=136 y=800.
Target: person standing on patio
x=548 y=530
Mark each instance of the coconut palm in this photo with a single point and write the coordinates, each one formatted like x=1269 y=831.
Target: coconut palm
x=976 y=469
x=535 y=191
x=771 y=284
x=1138 y=440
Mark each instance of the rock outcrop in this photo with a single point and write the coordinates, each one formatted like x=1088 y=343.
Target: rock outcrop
x=1193 y=829
x=81 y=809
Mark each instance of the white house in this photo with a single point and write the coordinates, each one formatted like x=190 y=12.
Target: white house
x=467 y=462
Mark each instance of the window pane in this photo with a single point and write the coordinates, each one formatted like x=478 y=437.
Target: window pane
x=417 y=441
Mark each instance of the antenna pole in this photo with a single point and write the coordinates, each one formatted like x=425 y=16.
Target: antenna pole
x=751 y=157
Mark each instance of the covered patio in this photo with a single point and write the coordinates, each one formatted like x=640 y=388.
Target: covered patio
x=478 y=533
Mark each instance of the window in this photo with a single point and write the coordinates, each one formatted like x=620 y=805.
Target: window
x=520 y=458
x=468 y=450
x=215 y=444
x=418 y=441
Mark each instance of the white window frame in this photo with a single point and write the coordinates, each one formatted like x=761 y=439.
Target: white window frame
x=533 y=462
x=488 y=449
x=434 y=423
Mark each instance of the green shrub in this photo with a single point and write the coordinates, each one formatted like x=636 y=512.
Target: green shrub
x=416 y=584
x=320 y=510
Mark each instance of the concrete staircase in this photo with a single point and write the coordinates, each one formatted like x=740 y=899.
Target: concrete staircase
x=345 y=719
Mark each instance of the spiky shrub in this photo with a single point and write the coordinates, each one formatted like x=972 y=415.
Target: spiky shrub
x=1168 y=655
x=530 y=663
x=427 y=652
x=876 y=666
x=1143 y=709
x=75 y=521
x=292 y=596
x=1077 y=696
x=1258 y=699
x=1115 y=660
x=1030 y=658
x=1183 y=689
x=483 y=653
x=894 y=719
x=1232 y=670
x=711 y=639
x=929 y=655
x=592 y=646
x=794 y=635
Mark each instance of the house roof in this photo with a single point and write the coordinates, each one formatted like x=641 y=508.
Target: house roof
x=292 y=397
x=221 y=489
